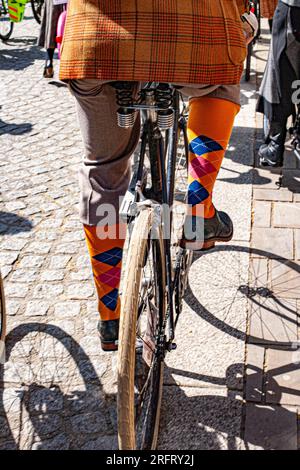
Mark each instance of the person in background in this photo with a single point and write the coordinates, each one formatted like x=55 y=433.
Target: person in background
x=47 y=38
x=267 y=10
x=282 y=70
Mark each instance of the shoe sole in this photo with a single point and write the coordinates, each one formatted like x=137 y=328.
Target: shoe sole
x=109 y=347
x=264 y=162
x=208 y=245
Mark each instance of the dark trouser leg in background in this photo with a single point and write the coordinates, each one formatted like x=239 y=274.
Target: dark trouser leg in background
x=271 y=153
x=48 y=69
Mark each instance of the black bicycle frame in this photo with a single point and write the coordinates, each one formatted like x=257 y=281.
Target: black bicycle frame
x=162 y=156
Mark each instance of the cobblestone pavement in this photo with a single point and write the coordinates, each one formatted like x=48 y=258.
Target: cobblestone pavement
x=233 y=382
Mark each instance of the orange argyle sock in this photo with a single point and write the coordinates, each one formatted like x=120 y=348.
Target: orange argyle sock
x=209 y=129
x=106 y=249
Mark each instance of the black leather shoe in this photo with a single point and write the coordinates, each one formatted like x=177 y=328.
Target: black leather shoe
x=202 y=234
x=48 y=71
x=271 y=153
x=109 y=333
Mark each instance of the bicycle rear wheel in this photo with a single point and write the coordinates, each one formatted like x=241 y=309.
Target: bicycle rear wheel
x=140 y=366
x=6 y=26
x=2 y=319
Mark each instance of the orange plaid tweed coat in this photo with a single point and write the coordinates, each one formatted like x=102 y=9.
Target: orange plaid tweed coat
x=268 y=7
x=183 y=41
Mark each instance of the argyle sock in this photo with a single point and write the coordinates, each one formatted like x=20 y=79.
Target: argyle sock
x=106 y=259
x=209 y=129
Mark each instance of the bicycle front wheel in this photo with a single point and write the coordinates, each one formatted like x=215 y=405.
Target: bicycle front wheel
x=140 y=362
x=6 y=26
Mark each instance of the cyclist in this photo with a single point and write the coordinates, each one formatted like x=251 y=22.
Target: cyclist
x=197 y=45
x=282 y=71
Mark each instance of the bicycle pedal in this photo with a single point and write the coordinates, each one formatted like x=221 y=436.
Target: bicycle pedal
x=171 y=346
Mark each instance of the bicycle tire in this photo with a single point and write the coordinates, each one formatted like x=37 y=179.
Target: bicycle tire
x=130 y=436
x=2 y=318
x=37 y=6
x=5 y=37
x=248 y=62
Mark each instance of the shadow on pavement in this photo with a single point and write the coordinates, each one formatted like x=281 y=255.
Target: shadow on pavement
x=54 y=405
x=14 y=129
x=261 y=294
x=195 y=420
x=58 y=84
x=19 y=59
x=24 y=40
x=11 y=224
x=47 y=413
x=208 y=415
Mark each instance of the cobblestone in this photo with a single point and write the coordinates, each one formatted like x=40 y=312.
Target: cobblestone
x=54 y=275
x=287 y=215
x=283 y=377
x=275 y=242
x=24 y=275
x=36 y=308
x=89 y=423
x=16 y=290
x=38 y=247
x=262 y=214
x=67 y=309
x=80 y=290
x=59 y=442
x=12 y=307
x=47 y=291
x=31 y=262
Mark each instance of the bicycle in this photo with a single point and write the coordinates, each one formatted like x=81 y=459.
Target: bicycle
x=155 y=275
x=6 y=26
x=37 y=7
x=2 y=321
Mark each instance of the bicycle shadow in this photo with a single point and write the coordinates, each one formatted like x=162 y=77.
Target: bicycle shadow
x=63 y=407
x=19 y=59
x=262 y=293
x=25 y=40
x=11 y=224
x=15 y=129
x=212 y=417
x=255 y=404
x=55 y=406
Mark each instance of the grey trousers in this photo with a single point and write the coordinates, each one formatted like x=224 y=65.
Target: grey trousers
x=105 y=172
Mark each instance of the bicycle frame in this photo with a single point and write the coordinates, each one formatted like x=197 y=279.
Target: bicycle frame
x=162 y=156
